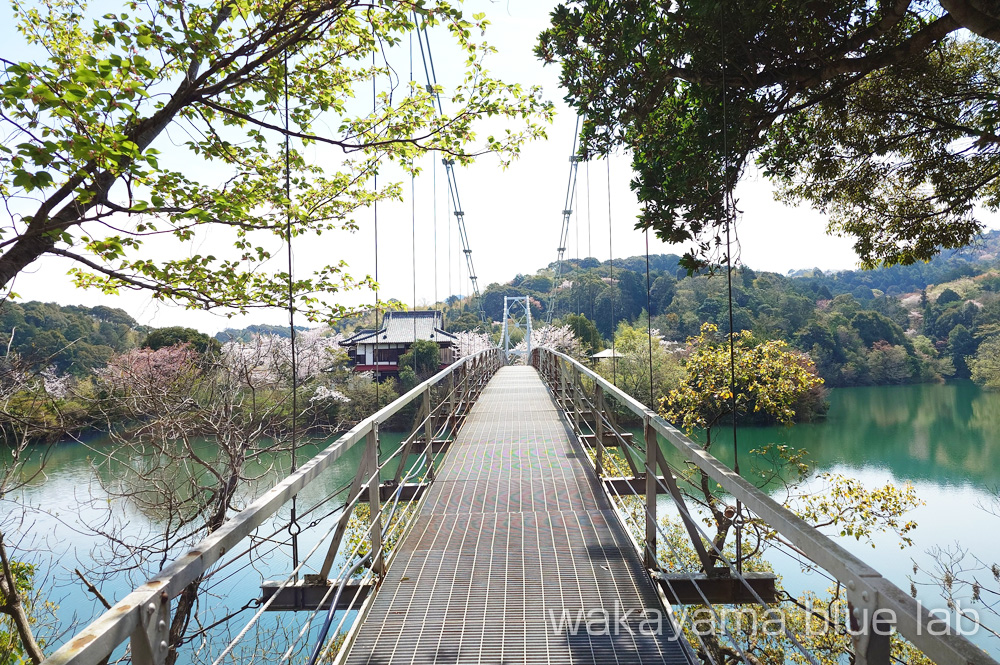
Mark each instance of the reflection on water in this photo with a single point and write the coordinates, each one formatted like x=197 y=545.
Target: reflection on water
x=55 y=515
x=946 y=434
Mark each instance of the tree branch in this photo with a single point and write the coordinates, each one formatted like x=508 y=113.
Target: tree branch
x=972 y=17
x=14 y=608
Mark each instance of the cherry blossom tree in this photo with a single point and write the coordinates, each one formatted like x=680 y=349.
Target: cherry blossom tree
x=193 y=434
x=473 y=341
x=557 y=338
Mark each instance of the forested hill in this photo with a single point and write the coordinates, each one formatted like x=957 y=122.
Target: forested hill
x=893 y=325
x=70 y=338
x=75 y=340
x=245 y=334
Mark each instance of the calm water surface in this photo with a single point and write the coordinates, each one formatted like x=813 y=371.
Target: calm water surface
x=942 y=438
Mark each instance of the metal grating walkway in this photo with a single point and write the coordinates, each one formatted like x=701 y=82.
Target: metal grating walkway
x=514 y=536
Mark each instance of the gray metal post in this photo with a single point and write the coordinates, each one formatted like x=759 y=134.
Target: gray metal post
x=649 y=555
x=149 y=639
x=428 y=434
x=505 y=331
x=451 y=403
x=375 y=504
x=577 y=388
x=527 y=334
x=599 y=427
x=870 y=628
x=562 y=383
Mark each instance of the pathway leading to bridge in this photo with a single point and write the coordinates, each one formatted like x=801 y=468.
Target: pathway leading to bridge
x=515 y=538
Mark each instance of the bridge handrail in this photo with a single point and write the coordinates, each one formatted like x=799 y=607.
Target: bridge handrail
x=866 y=587
x=99 y=639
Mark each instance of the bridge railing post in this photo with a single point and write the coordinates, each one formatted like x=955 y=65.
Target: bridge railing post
x=650 y=556
x=561 y=371
x=149 y=641
x=599 y=428
x=870 y=627
x=374 y=503
x=451 y=402
x=461 y=388
x=428 y=434
x=577 y=388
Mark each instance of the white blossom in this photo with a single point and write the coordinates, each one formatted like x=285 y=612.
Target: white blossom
x=470 y=341
x=56 y=385
x=557 y=338
x=269 y=357
x=324 y=394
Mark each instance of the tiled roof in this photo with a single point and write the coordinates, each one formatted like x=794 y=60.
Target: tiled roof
x=404 y=328
x=347 y=341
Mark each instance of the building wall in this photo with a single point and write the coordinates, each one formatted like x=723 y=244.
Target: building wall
x=365 y=354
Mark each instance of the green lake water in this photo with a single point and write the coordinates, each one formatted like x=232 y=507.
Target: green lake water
x=942 y=438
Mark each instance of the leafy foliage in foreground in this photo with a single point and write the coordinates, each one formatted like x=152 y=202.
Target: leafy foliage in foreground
x=882 y=115
x=83 y=126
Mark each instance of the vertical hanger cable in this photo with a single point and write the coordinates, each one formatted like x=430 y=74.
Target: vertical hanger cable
x=375 y=359
x=611 y=266
x=293 y=526
x=728 y=209
x=413 y=225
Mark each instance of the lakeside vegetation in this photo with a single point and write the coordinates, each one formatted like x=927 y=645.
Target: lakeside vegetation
x=904 y=324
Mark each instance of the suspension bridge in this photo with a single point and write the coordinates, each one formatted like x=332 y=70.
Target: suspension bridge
x=517 y=522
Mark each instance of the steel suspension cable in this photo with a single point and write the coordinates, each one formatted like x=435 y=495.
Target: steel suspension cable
x=450 y=253
x=590 y=248
x=427 y=58
x=649 y=324
x=293 y=525
x=567 y=213
x=576 y=226
x=413 y=227
x=375 y=358
x=611 y=266
x=434 y=186
x=729 y=211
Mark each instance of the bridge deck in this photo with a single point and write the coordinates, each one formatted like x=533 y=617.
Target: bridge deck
x=515 y=536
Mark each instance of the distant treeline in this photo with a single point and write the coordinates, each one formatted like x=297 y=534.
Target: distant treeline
x=894 y=325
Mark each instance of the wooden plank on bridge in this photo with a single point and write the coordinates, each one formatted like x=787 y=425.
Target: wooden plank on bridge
x=515 y=544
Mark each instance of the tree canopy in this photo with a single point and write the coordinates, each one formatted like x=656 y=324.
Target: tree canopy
x=769 y=380
x=882 y=114
x=174 y=335
x=88 y=174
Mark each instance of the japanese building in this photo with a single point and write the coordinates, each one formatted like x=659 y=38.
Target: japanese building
x=379 y=350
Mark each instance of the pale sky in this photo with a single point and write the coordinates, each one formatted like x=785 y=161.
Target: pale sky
x=513 y=216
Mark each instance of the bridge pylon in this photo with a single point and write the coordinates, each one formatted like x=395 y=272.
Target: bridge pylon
x=516 y=314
